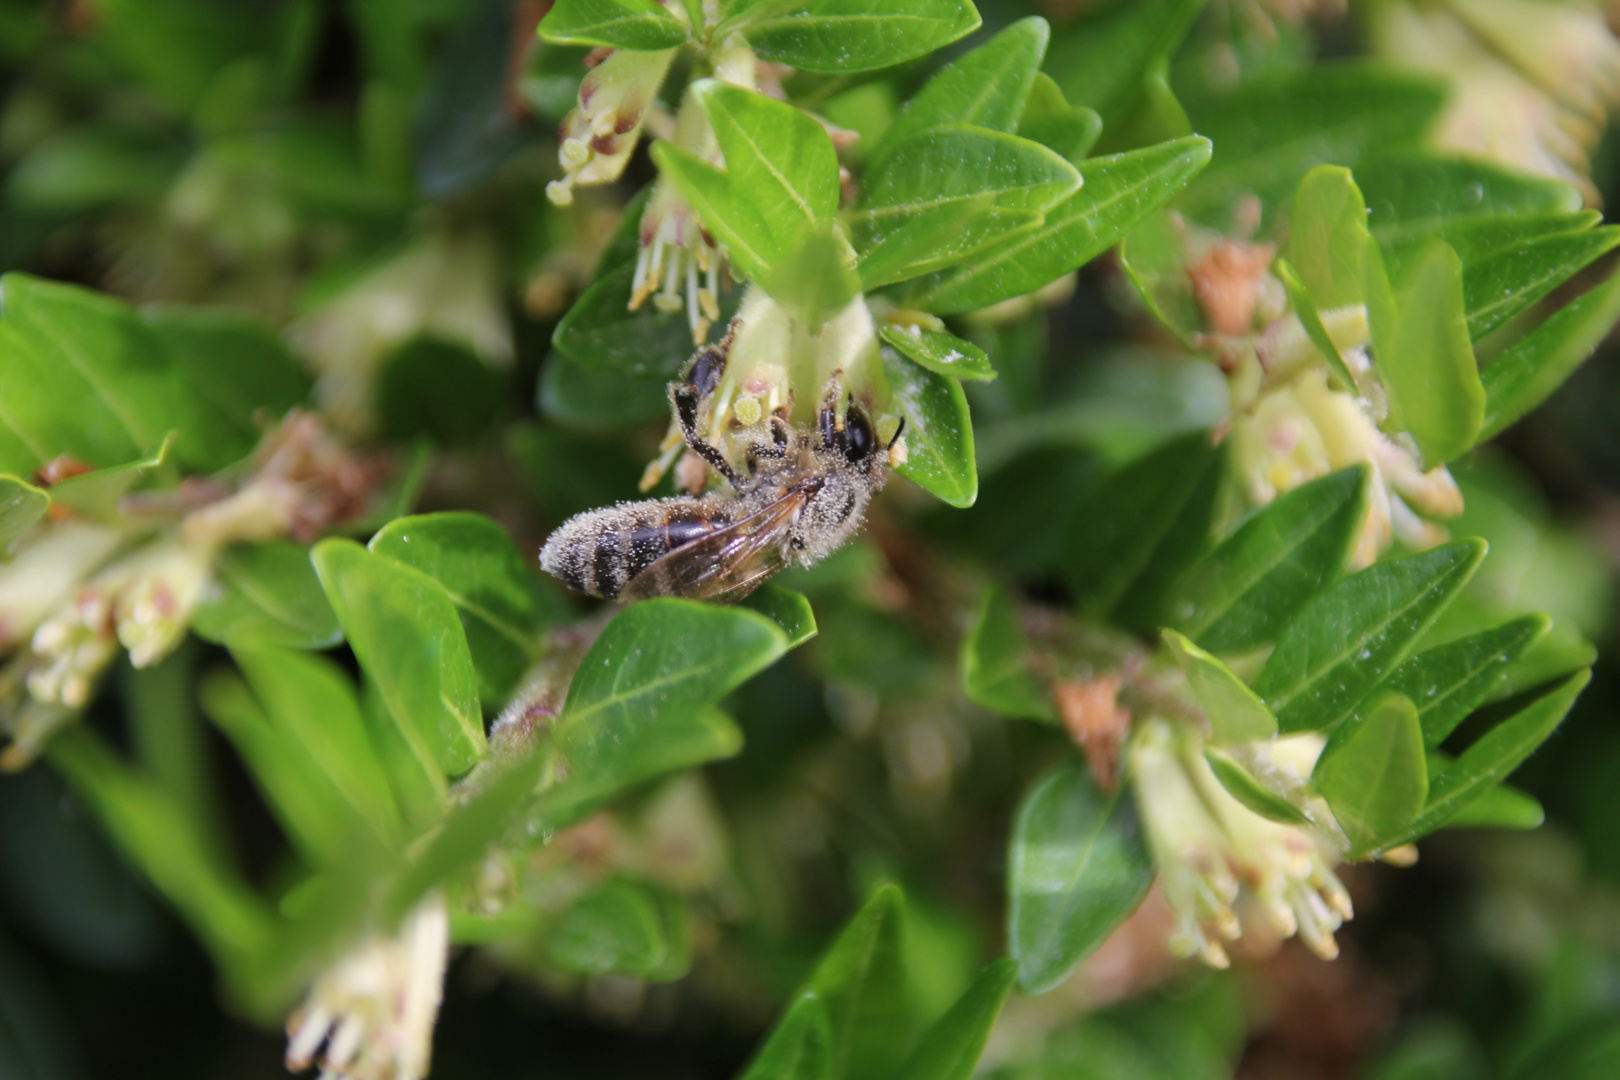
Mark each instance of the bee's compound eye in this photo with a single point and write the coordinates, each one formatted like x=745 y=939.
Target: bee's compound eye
x=858 y=436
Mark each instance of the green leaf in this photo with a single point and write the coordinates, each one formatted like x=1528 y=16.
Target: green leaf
x=1139 y=529
x=1242 y=594
x=624 y=927
x=627 y=24
x=163 y=842
x=21 y=504
x=850 y=35
x=307 y=697
x=1327 y=229
x=987 y=87
x=461 y=839
x=1076 y=868
x=939 y=352
x=789 y=610
x=1500 y=807
x=780 y=182
x=1424 y=355
x=1236 y=713
x=267 y=594
x=1495 y=755
x=952 y=1047
x=1348 y=637
x=605 y=338
x=1117 y=192
x=1100 y=62
x=1242 y=786
x=1506 y=282
x=322 y=825
x=1372 y=773
x=406 y=633
x=642 y=700
x=237 y=364
x=81 y=374
x=96 y=494
x=996 y=663
x=945 y=193
x=1450 y=681
x=1272 y=131
x=860 y=981
x=1537 y=364
x=939 y=432
x=1310 y=317
x=799 y=1046
x=480 y=567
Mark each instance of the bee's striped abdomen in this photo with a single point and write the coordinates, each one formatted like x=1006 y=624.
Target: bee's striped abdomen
x=600 y=552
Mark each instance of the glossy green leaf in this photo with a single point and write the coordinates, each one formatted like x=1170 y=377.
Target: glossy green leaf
x=1272 y=131
x=461 y=839
x=407 y=634
x=1327 y=228
x=1117 y=193
x=939 y=352
x=995 y=662
x=81 y=374
x=315 y=703
x=987 y=87
x=1242 y=786
x=480 y=567
x=627 y=24
x=799 y=1047
x=96 y=494
x=1138 y=530
x=1099 y=62
x=1500 y=807
x=1372 y=773
x=789 y=610
x=951 y=1049
x=850 y=35
x=605 y=338
x=1235 y=712
x=1242 y=594
x=1450 y=681
x=1310 y=317
x=1495 y=755
x=322 y=825
x=939 y=431
x=1414 y=197
x=1506 y=282
x=1423 y=351
x=860 y=981
x=21 y=504
x=780 y=180
x=1349 y=637
x=267 y=594
x=1537 y=364
x=1077 y=866
x=642 y=700
x=947 y=192
x=164 y=844
x=622 y=927
x=237 y=364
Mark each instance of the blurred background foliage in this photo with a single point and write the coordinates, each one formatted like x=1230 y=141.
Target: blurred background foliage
x=365 y=176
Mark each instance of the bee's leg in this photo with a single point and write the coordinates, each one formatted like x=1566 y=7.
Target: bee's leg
x=683 y=398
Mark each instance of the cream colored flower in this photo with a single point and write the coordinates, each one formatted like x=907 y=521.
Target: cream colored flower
x=374 y=1009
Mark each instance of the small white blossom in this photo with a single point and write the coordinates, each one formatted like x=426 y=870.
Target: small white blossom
x=374 y=1010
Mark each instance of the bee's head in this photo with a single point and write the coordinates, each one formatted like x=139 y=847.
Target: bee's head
x=856 y=442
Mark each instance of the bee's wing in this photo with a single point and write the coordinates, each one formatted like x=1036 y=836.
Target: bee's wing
x=729 y=563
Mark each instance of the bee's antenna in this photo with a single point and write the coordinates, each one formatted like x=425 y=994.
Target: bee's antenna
x=683 y=397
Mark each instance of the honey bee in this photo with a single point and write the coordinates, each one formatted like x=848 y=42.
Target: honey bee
x=801 y=496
